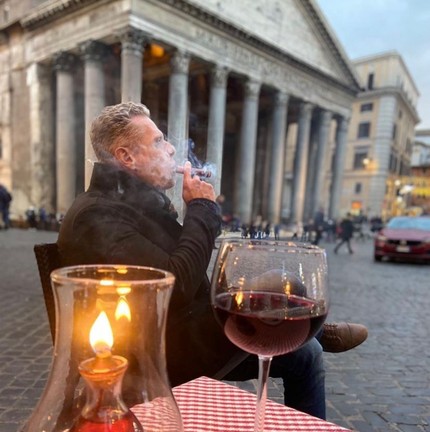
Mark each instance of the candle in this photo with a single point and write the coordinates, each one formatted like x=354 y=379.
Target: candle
x=104 y=411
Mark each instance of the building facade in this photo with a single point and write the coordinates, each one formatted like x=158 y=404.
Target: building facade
x=234 y=84
x=420 y=173
x=380 y=136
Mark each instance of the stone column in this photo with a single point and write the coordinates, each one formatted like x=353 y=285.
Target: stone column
x=301 y=160
x=244 y=181
x=277 y=157
x=132 y=46
x=177 y=120
x=93 y=53
x=319 y=167
x=310 y=171
x=65 y=131
x=41 y=137
x=338 y=167
x=218 y=95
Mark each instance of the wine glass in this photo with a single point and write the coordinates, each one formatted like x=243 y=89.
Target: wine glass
x=270 y=297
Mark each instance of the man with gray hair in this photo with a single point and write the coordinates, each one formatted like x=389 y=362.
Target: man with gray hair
x=125 y=218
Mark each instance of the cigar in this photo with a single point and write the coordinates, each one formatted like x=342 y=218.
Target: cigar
x=201 y=172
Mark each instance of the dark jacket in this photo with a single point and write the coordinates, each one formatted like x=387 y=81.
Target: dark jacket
x=347 y=229
x=5 y=198
x=121 y=220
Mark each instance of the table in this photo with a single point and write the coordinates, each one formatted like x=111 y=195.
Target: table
x=207 y=405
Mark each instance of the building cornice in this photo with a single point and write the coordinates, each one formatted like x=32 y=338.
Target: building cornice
x=51 y=11
x=392 y=91
x=330 y=42
x=386 y=55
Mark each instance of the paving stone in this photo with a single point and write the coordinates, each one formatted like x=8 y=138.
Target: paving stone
x=379 y=386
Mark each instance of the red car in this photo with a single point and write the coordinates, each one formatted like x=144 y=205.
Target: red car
x=404 y=238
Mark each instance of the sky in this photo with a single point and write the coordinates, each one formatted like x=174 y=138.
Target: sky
x=367 y=27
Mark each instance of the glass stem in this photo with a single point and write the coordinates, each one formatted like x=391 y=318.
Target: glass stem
x=263 y=375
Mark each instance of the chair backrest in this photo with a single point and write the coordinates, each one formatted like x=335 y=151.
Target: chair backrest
x=48 y=259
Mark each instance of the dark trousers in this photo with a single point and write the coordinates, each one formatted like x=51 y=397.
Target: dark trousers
x=348 y=243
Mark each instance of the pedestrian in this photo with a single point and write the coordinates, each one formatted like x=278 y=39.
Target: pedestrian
x=43 y=218
x=277 y=230
x=125 y=218
x=244 y=231
x=308 y=231
x=346 y=233
x=5 y=200
x=267 y=230
x=31 y=218
x=318 y=226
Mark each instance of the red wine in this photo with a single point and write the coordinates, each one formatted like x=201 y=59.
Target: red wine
x=128 y=423
x=268 y=323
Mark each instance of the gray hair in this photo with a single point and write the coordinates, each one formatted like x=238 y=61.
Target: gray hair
x=113 y=128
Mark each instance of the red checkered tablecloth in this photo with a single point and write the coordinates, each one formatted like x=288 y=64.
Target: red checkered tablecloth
x=207 y=405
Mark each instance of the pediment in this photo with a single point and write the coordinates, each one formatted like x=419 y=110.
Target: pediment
x=296 y=27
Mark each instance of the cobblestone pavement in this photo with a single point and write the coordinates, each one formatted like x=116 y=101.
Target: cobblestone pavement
x=383 y=385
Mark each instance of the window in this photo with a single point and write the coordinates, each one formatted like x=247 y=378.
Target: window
x=366 y=107
x=393 y=163
x=361 y=153
x=357 y=188
x=408 y=147
x=363 y=130
x=394 y=131
x=370 y=79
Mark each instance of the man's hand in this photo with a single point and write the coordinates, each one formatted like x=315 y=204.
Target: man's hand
x=194 y=187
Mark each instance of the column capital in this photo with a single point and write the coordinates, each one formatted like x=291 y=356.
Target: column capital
x=133 y=39
x=306 y=109
x=342 y=124
x=252 y=88
x=219 y=76
x=281 y=98
x=64 y=61
x=93 y=50
x=325 y=116
x=180 y=62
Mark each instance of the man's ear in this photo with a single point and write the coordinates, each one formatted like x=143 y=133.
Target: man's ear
x=124 y=157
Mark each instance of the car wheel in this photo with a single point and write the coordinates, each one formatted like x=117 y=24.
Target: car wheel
x=377 y=258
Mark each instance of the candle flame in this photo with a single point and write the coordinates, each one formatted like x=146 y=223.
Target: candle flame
x=122 y=270
x=106 y=282
x=101 y=336
x=123 y=290
x=122 y=310
x=239 y=298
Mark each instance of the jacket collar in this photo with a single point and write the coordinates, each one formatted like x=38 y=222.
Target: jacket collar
x=119 y=184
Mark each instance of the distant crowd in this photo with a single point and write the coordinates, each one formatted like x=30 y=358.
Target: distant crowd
x=33 y=219
x=316 y=229
x=313 y=231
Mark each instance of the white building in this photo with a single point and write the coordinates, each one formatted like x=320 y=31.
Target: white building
x=380 y=135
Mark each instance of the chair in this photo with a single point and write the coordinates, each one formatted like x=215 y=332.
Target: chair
x=48 y=259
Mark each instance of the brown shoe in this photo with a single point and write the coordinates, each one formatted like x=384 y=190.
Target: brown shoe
x=340 y=337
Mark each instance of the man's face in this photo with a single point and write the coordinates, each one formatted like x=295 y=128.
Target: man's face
x=152 y=156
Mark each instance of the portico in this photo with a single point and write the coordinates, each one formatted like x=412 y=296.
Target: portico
x=230 y=91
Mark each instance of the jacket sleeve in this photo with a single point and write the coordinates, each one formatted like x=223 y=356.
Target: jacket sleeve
x=107 y=234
